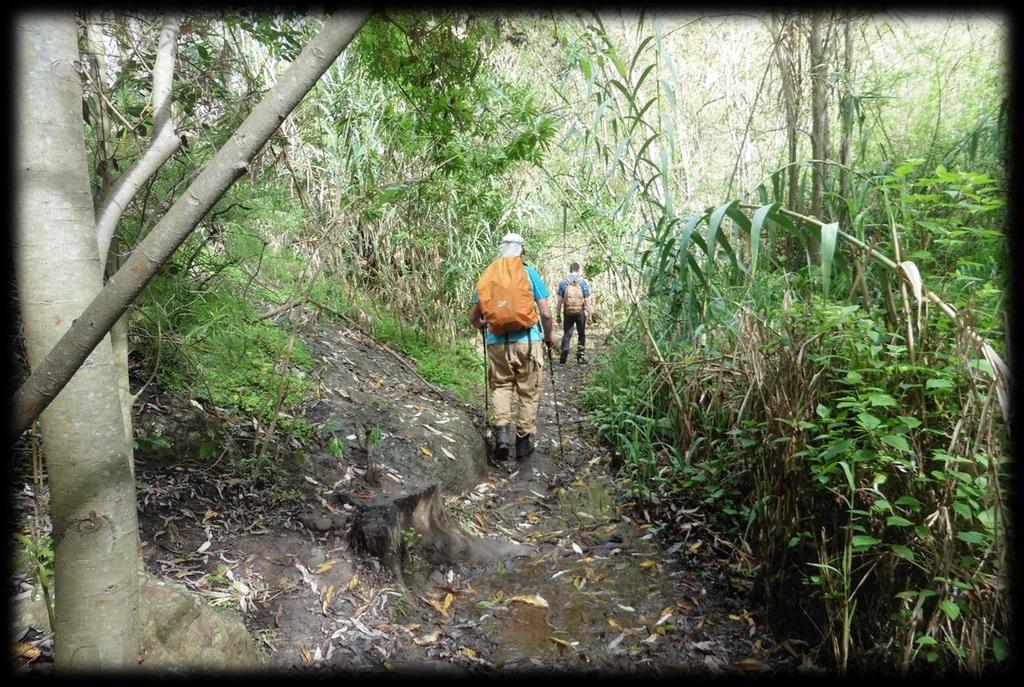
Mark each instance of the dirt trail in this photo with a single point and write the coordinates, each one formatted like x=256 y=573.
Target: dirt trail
x=596 y=591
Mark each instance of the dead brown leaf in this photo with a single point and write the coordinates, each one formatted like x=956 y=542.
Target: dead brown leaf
x=750 y=664
x=326 y=565
x=533 y=600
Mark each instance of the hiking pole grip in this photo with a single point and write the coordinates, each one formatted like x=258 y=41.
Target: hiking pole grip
x=554 y=400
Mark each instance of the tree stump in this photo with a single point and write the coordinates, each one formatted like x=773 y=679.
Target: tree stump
x=381 y=524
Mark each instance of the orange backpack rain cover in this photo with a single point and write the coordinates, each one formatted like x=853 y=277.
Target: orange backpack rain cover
x=506 y=297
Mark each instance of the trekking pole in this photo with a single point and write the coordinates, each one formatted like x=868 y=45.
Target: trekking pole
x=483 y=338
x=554 y=399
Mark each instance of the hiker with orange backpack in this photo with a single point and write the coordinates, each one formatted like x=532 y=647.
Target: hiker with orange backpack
x=506 y=302
x=574 y=309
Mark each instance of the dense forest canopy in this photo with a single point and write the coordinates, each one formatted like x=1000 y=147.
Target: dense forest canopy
x=794 y=226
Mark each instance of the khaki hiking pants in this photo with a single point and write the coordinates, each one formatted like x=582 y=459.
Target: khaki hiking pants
x=522 y=371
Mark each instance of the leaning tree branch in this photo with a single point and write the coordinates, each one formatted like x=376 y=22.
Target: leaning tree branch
x=163 y=144
x=230 y=162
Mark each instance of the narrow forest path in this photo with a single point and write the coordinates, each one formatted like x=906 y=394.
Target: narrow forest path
x=600 y=592
x=596 y=589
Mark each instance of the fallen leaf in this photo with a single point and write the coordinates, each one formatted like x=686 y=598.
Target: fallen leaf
x=354 y=582
x=626 y=608
x=560 y=642
x=466 y=651
x=534 y=600
x=750 y=663
x=704 y=647
x=615 y=642
x=328 y=597
x=426 y=451
x=26 y=650
x=429 y=638
x=305 y=655
x=204 y=546
x=577 y=549
x=614 y=623
x=648 y=564
x=210 y=513
x=326 y=565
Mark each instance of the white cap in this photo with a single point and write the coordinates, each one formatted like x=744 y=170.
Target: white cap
x=511 y=246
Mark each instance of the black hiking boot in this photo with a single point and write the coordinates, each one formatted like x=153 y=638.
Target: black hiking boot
x=563 y=356
x=501 y=443
x=524 y=446
x=580 y=360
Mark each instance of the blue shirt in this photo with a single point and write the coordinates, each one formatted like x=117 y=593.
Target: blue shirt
x=535 y=333
x=584 y=286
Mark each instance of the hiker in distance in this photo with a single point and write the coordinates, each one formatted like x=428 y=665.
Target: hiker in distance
x=506 y=302
x=575 y=311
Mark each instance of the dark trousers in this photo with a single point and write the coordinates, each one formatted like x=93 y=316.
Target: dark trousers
x=580 y=322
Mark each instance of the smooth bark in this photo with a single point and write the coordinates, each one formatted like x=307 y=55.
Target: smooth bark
x=92 y=493
x=227 y=165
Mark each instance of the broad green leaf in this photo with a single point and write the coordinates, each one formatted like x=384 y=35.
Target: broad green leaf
x=755 y=233
x=1000 y=649
x=688 y=227
x=897 y=441
x=879 y=399
x=695 y=268
x=950 y=609
x=849 y=475
x=868 y=421
x=971 y=537
x=910 y=501
x=963 y=509
x=588 y=72
x=925 y=640
x=620 y=66
x=938 y=383
x=902 y=551
x=837 y=447
x=897 y=521
x=863 y=540
x=713 y=223
x=727 y=247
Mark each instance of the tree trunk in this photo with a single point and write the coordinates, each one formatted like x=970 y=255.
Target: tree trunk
x=818 y=127
x=845 y=185
x=92 y=494
x=230 y=162
x=108 y=249
x=787 y=42
x=785 y=49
